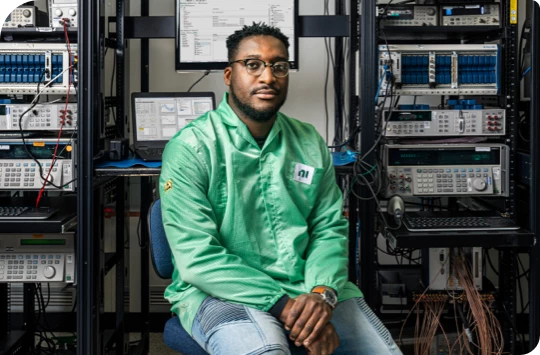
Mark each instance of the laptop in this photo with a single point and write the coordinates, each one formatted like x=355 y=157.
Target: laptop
x=157 y=117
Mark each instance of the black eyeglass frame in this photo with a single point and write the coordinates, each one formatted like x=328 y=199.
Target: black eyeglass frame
x=271 y=65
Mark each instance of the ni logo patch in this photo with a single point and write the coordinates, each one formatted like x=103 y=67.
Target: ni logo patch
x=168 y=186
x=303 y=173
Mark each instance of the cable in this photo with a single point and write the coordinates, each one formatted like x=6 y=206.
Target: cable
x=525 y=73
x=522 y=119
x=62 y=121
x=356 y=130
x=201 y=78
x=490 y=263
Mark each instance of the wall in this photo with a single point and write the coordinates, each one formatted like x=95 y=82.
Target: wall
x=306 y=89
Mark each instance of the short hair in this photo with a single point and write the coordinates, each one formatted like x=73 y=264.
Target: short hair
x=257 y=29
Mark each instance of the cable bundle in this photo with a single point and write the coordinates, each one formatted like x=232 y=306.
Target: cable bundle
x=480 y=333
x=484 y=331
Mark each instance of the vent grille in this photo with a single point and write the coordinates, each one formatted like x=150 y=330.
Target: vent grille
x=158 y=303
x=60 y=301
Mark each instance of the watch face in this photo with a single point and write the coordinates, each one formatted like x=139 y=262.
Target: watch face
x=330 y=296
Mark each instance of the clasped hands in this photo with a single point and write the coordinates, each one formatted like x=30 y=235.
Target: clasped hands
x=307 y=317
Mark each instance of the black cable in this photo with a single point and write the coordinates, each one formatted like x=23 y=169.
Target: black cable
x=521 y=57
x=356 y=130
x=201 y=78
x=491 y=264
x=525 y=272
x=139 y=235
x=326 y=78
x=514 y=327
x=120 y=134
x=43 y=178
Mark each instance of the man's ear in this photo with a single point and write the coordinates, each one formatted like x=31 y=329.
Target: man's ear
x=227 y=76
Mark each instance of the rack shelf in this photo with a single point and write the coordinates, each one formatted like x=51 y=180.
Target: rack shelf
x=439 y=33
x=488 y=239
x=34 y=32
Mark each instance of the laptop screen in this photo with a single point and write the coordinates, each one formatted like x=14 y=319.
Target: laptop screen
x=159 y=116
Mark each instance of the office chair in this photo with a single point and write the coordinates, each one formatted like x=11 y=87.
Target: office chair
x=174 y=335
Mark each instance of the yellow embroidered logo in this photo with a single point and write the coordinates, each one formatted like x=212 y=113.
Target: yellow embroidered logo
x=168 y=186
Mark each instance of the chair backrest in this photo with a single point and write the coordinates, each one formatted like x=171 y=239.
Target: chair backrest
x=160 y=250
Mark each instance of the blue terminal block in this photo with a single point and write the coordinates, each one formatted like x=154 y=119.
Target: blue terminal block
x=25 y=68
x=464 y=105
x=462 y=69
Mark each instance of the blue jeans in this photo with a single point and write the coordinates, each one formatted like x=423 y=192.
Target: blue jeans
x=223 y=328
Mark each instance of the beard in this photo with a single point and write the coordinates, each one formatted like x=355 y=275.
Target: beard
x=251 y=112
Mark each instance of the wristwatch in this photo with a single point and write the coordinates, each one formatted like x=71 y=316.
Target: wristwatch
x=329 y=296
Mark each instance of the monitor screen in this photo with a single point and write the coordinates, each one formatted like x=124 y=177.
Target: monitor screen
x=160 y=118
x=202 y=28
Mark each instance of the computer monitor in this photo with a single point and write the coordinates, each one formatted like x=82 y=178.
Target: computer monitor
x=157 y=117
x=202 y=28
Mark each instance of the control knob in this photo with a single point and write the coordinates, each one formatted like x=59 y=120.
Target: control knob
x=72 y=12
x=479 y=185
x=27 y=13
x=430 y=11
x=49 y=272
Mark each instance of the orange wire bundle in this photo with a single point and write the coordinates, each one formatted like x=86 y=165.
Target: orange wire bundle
x=483 y=335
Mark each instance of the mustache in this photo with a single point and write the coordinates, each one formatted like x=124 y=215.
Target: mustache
x=265 y=88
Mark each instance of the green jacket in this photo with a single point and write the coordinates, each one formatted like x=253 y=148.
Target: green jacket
x=249 y=225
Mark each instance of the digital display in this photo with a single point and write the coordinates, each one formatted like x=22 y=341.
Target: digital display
x=448 y=156
x=17 y=151
x=43 y=242
x=465 y=10
x=400 y=12
x=203 y=26
x=412 y=116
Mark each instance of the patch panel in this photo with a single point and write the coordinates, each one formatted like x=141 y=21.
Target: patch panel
x=466 y=69
x=24 y=65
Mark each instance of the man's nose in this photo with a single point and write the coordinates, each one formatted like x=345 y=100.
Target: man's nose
x=267 y=75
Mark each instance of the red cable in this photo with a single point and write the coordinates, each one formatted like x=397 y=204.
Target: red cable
x=64 y=117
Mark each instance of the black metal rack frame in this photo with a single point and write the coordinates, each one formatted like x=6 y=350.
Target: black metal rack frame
x=91 y=263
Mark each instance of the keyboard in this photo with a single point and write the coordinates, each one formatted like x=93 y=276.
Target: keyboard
x=150 y=154
x=26 y=212
x=456 y=221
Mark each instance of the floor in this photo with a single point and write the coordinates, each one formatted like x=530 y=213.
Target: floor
x=158 y=347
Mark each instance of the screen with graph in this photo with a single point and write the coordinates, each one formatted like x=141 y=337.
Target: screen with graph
x=160 y=118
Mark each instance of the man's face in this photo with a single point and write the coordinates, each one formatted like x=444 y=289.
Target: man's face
x=258 y=97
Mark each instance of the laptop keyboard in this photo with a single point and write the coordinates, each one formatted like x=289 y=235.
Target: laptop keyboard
x=154 y=151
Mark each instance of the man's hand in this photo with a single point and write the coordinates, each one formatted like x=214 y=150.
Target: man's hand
x=326 y=343
x=307 y=317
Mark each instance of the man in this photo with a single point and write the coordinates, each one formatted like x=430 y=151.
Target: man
x=254 y=219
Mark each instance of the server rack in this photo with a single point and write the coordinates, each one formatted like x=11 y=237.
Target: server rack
x=509 y=244
x=22 y=340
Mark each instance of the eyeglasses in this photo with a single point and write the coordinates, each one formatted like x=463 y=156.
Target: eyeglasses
x=256 y=67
